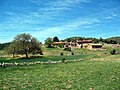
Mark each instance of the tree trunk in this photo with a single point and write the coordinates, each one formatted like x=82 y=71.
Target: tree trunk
x=26 y=54
x=13 y=55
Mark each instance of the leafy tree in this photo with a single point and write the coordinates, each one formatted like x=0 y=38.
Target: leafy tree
x=35 y=46
x=12 y=49
x=55 y=39
x=100 y=40
x=24 y=44
x=68 y=39
x=95 y=40
x=49 y=42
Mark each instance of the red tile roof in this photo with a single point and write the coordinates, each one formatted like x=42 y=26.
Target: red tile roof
x=84 y=41
x=61 y=43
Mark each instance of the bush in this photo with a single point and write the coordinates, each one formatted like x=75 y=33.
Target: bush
x=72 y=53
x=61 y=53
x=67 y=49
x=112 y=51
x=41 y=53
x=63 y=60
x=49 y=46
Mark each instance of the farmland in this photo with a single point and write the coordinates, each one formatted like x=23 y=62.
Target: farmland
x=96 y=70
x=85 y=75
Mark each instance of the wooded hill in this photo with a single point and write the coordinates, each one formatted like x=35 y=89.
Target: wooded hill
x=3 y=45
x=111 y=40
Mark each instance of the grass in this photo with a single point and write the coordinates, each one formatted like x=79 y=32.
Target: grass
x=98 y=70
x=85 y=75
x=53 y=54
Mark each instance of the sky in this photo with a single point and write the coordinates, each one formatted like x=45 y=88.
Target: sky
x=62 y=18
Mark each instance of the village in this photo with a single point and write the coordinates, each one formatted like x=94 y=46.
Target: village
x=87 y=44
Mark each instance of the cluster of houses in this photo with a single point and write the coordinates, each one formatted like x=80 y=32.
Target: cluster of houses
x=79 y=44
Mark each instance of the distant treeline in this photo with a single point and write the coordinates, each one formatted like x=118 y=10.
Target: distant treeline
x=111 y=40
x=4 y=45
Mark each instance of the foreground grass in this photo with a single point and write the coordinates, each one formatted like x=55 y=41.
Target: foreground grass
x=86 y=75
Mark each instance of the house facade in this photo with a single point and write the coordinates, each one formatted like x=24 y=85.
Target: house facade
x=83 y=43
x=78 y=44
x=95 y=47
x=61 y=44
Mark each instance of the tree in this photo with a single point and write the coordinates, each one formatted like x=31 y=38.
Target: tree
x=12 y=49
x=24 y=44
x=55 y=39
x=95 y=40
x=49 y=42
x=68 y=39
x=35 y=46
x=100 y=40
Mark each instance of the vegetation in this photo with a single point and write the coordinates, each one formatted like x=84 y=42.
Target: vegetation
x=48 y=42
x=72 y=53
x=67 y=49
x=113 y=52
x=61 y=54
x=81 y=69
x=24 y=44
x=111 y=40
x=86 y=75
x=4 y=45
x=55 y=39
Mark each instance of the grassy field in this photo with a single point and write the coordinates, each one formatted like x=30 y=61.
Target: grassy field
x=97 y=70
x=53 y=54
x=85 y=75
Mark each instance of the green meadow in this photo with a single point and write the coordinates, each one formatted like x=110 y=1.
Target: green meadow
x=84 y=75
x=96 y=70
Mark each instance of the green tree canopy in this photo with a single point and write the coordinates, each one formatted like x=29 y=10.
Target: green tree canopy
x=49 y=42
x=24 y=44
x=55 y=39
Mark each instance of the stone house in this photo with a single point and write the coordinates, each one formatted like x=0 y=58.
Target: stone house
x=61 y=44
x=78 y=44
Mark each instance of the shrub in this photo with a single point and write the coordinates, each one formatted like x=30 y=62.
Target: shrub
x=61 y=46
x=72 y=53
x=41 y=53
x=61 y=53
x=67 y=49
x=112 y=51
x=63 y=60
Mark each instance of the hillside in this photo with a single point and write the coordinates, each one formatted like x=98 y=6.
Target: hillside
x=113 y=40
x=3 y=45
